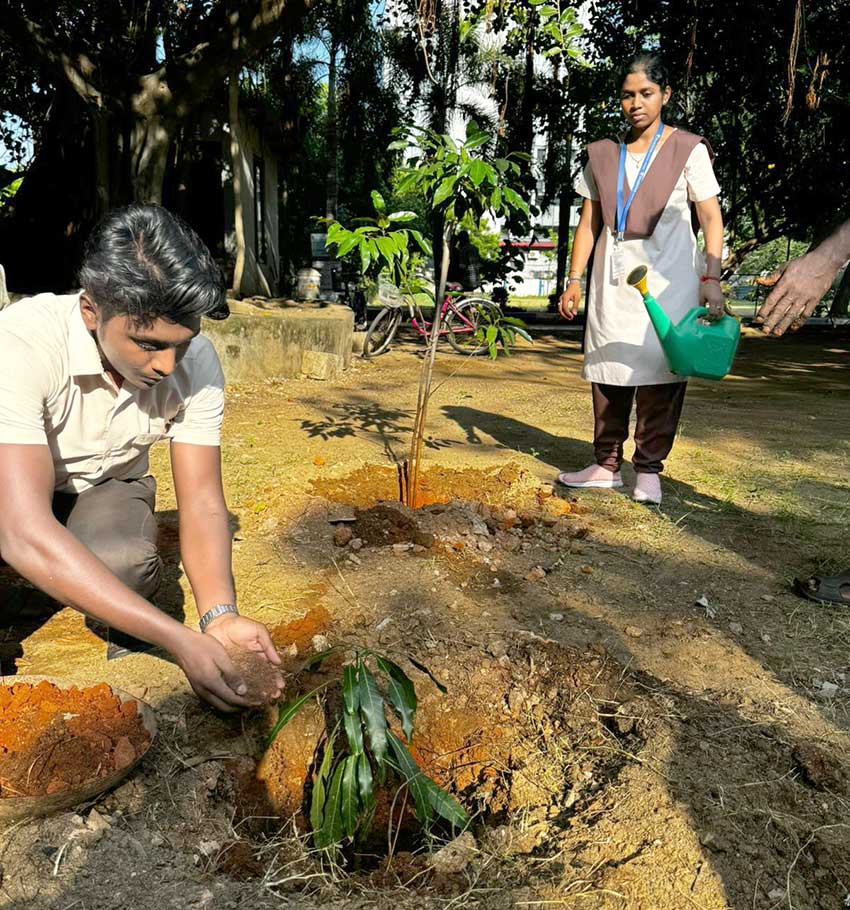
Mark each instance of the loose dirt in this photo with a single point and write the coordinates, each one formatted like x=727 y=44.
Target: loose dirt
x=639 y=713
x=54 y=739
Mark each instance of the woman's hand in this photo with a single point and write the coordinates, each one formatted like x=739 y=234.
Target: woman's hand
x=571 y=298
x=711 y=296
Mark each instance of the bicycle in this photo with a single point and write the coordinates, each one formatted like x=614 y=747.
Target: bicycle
x=459 y=322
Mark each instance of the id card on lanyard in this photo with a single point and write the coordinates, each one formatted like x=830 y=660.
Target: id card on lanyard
x=617 y=263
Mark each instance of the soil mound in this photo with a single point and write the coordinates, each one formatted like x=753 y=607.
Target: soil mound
x=54 y=739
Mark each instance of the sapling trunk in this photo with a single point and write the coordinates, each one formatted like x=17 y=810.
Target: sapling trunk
x=425 y=376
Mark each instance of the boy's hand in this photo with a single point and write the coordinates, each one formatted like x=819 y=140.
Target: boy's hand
x=238 y=633
x=210 y=671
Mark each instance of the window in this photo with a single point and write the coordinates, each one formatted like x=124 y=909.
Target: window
x=260 y=244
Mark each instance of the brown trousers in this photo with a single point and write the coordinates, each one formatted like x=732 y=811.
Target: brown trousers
x=115 y=520
x=659 y=408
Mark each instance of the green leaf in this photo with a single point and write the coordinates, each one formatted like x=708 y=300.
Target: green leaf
x=477 y=171
x=365 y=258
x=330 y=834
x=372 y=711
x=403 y=217
x=444 y=190
x=424 y=244
x=317 y=802
x=367 y=229
x=523 y=334
x=423 y=669
x=401 y=144
x=349 y=798
x=548 y=11
x=492 y=333
x=365 y=784
x=378 y=202
x=496 y=198
x=477 y=141
x=514 y=199
x=401 y=693
x=350 y=691
x=288 y=711
x=347 y=245
x=413 y=777
x=353 y=732
x=388 y=248
x=445 y=805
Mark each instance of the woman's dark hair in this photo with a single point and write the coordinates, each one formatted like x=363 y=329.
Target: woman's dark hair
x=143 y=262
x=652 y=65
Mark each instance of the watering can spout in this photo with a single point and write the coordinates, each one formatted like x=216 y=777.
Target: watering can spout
x=660 y=320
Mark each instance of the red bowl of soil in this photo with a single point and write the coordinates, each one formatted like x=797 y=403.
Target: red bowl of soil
x=62 y=745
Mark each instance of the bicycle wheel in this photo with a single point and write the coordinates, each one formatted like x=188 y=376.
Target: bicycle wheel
x=381 y=332
x=463 y=321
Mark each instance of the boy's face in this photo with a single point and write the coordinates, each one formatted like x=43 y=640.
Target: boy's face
x=142 y=354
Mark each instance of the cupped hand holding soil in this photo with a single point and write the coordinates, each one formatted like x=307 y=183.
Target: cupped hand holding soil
x=263 y=679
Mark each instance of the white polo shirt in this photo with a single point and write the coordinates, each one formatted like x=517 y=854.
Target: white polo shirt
x=55 y=392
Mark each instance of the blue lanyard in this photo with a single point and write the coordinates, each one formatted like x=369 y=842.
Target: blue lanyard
x=623 y=210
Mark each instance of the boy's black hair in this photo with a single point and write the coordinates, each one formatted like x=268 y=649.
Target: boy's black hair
x=143 y=262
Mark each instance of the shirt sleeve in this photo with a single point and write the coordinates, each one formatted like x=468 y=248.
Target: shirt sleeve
x=699 y=174
x=25 y=386
x=198 y=422
x=585 y=185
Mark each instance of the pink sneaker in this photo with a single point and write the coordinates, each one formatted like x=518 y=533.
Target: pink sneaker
x=648 y=489
x=593 y=476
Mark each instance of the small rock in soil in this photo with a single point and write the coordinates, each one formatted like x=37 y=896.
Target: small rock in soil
x=556 y=617
x=320 y=643
x=355 y=543
x=535 y=574
x=124 y=753
x=343 y=535
x=633 y=631
x=455 y=856
x=736 y=628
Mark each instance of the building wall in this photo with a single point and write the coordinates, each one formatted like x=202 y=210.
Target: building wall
x=261 y=275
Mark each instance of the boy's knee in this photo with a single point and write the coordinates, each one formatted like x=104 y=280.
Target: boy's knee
x=135 y=562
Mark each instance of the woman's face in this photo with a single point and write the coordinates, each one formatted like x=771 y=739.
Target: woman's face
x=642 y=100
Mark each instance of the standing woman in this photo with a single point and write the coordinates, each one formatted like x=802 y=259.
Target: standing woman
x=638 y=193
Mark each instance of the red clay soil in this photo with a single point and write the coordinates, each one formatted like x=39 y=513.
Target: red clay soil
x=54 y=739
x=439 y=484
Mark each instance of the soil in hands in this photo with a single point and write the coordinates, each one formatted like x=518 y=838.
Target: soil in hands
x=54 y=739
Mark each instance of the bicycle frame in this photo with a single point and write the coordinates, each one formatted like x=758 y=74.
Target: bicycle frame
x=423 y=327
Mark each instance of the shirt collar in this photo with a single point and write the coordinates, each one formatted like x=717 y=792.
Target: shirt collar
x=84 y=355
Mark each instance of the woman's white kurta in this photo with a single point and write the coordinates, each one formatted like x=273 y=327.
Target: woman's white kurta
x=621 y=347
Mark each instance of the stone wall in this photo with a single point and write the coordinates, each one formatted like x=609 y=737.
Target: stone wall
x=285 y=342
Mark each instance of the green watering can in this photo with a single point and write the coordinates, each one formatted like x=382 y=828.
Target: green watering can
x=694 y=347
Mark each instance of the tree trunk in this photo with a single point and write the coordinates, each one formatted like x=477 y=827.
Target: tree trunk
x=841 y=302
x=332 y=133
x=236 y=182
x=413 y=466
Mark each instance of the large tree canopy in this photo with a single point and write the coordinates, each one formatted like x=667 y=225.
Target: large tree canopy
x=115 y=82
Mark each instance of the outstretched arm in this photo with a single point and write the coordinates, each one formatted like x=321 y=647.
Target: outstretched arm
x=206 y=550
x=41 y=549
x=799 y=286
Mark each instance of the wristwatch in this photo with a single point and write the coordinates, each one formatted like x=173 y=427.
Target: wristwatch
x=214 y=613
